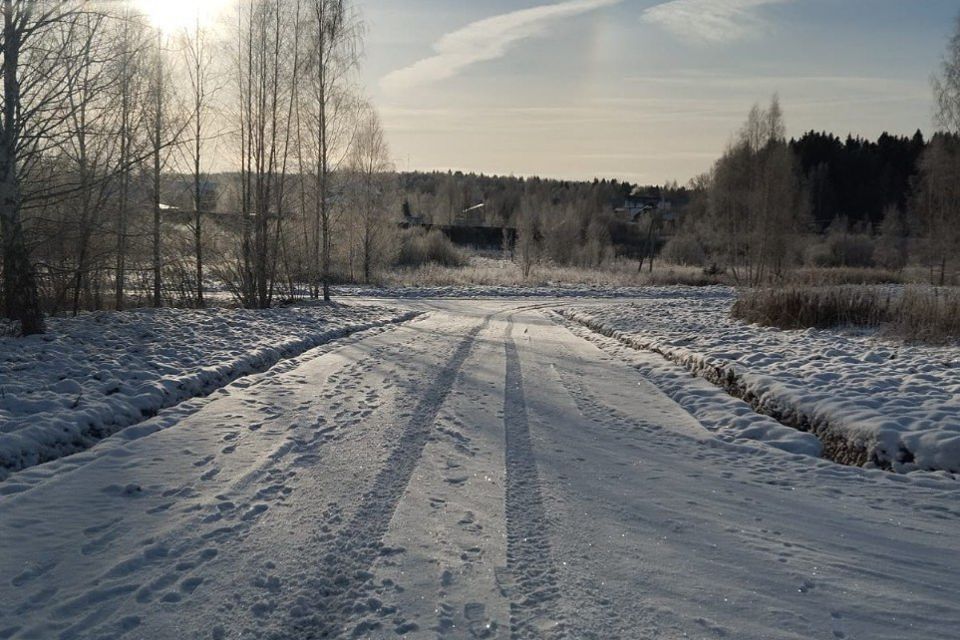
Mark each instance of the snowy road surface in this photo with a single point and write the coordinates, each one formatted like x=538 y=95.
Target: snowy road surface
x=478 y=472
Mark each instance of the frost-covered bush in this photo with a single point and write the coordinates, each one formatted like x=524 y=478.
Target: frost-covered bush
x=842 y=250
x=418 y=248
x=684 y=250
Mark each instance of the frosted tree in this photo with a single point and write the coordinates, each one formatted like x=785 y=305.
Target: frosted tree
x=756 y=202
x=946 y=85
x=937 y=204
x=203 y=83
x=267 y=74
x=328 y=117
x=374 y=189
x=891 y=242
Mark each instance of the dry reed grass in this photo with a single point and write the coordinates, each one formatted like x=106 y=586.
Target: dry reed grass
x=926 y=315
x=506 y=273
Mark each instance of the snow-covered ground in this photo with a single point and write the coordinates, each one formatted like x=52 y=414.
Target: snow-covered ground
x=93 y=375
x=478 y=472
x=870 y=400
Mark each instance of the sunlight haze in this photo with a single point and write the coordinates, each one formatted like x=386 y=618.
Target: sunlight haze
x=637 y=89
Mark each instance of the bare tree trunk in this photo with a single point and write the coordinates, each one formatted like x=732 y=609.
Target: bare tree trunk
x=198 y=104
x=21 y=297
x=157 y=169
x=324 y=156
x=121 y=268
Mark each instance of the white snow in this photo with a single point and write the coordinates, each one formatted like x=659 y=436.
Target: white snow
x=891 y=404
x=90 y=376
x=729 y=418
x=479 y=471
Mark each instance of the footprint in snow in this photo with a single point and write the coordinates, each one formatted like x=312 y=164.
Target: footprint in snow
x=160 y=508
x=254 y=512
x=837 y=620
x=211 y=474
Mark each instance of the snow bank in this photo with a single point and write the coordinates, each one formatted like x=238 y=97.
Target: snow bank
x=871 y=402
x=96 y=374
x=729 y=418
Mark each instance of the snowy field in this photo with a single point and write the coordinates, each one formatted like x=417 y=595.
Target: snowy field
x=93 y=375
x=871 y=400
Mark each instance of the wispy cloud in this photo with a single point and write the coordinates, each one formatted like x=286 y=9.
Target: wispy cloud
x=486 y=40
x=710 y=21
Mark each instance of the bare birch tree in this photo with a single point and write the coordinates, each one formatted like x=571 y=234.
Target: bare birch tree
x=131 y=94
x=946 y=85
x=937 y=201
x=33 y=108
x=937 y=204
x=756 y=202
x=198 y=53
x=334 y=38
x=268 y=42
x=373 y=187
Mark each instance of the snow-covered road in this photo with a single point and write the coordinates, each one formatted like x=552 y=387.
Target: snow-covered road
x=481 y=472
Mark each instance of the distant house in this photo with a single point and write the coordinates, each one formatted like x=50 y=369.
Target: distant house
x=635 y=206
x=469 y=229
x=178 y=192
x=474 y=216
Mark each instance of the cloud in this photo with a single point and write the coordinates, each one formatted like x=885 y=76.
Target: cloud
x=485 y=40
x=710 y=21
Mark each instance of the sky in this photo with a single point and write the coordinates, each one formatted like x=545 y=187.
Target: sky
x=640 y=90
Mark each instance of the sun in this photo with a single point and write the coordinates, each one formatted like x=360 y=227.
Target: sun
x=176 y=15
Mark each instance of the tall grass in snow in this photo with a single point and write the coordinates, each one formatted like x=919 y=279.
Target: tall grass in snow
x=915 y=314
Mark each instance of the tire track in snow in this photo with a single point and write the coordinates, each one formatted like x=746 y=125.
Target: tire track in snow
x=532 y=578
x=344 y=582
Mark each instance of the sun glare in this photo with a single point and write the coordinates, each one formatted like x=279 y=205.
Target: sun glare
x=176 y=15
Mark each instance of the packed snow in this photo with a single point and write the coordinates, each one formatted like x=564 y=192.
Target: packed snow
x=478 y=472
x=871 y=400
x=90 y=376
x=729 y=418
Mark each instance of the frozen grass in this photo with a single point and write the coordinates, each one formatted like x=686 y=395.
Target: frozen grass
x=927 y=315
x=915 y=314
x=844 y=275
x=491 y=272
x=480 y=270
x=813 y=307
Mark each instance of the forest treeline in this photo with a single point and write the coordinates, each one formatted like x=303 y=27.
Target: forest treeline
x=853 y=194
x=850 y=178
x=769 y=205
